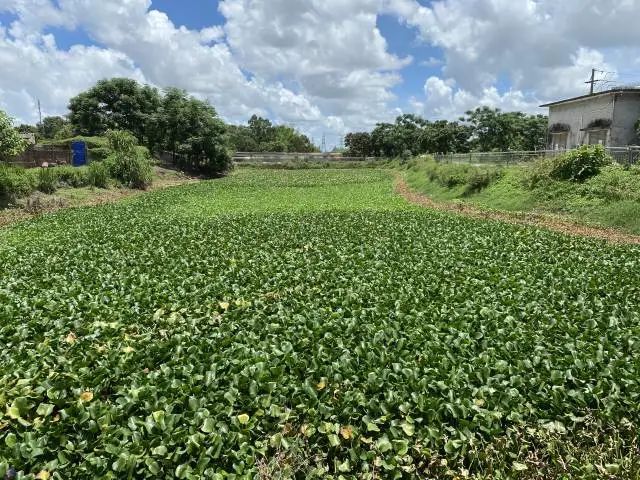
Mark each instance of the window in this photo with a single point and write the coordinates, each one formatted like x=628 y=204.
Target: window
x=559 y=140
x=598 y=137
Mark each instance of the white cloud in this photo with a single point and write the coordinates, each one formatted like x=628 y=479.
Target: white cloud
x=322 y=65
x=444 y=100
x=544 y=47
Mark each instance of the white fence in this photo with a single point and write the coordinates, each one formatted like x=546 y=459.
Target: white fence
x=623 y=155
x=265 y=157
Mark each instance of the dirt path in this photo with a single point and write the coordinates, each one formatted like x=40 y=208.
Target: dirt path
x=548 y=222
x=41 y=204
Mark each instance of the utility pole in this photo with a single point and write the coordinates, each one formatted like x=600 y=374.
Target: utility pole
x=40 y=116
x=592 y=81
x=324 y=143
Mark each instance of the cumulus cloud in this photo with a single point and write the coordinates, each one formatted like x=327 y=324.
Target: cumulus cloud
x=323 y=65
x=542 y=46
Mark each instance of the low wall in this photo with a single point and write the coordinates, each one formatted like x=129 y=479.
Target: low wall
x=37 y=156
x=266 y=157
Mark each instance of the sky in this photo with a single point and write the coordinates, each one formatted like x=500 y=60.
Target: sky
x=326 y=67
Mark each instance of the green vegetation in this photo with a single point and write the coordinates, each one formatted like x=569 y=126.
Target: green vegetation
x=311 y=323
x=260 y=135
x=484 y=129
x=11 y=143
x=171 y=121
x=582 y=184
x=127 y=163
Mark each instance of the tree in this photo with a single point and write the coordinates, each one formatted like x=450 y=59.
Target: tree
x=260 y=135
x=494 y=130
x=115 y=104
x=11 y=144
x=445 y=137
x=241 y=138
x=359 y=144
x=191 y=130
x=261 y=129
x=51 y=126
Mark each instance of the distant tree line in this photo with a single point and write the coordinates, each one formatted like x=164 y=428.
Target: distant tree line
x=260 y=135
x=484 y=129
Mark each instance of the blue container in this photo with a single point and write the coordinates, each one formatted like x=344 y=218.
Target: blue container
x=79 y=153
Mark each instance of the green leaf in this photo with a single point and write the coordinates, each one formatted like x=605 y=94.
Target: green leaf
x=383 y=444
x=45 y=409
x=182 y=471
x=408 y=428
x=161 y=451
x=334 y=441
x=208 y=426
x=10 y=440
x=153 y=466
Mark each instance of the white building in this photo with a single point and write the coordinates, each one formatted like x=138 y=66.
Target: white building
x=608 y=118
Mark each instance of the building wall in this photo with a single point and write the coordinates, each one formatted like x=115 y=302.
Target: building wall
x=627 y=113
x=579 y=114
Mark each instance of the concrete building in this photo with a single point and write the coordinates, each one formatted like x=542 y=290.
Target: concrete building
x=608 y=118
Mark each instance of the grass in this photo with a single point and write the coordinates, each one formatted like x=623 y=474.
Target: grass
x=311 y=324
x=610 y=199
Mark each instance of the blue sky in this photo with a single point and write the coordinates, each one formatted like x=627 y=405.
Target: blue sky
x=325 y=66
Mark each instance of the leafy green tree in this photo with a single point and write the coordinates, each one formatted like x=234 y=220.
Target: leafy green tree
x=51 y=127
x=241 y=138
x=494 y=130
x=445 y=137
x=260 y=135
x=115 y=104
x=261 y=129
x=359 y=144
x=11 y=143
x=191 y=130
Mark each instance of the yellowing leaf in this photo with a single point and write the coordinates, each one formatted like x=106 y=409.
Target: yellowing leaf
x=128 y=349
x=346 y=432
x=71 y=338
x=43 y=475
x=224 y=305
x=13 y=412
x=321 y=385
x=86 y=396
x=243 y=419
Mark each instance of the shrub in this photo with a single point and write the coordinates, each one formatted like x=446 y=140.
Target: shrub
x=580 y=164
x=74 y=177
x=99 y=153
x=129 y=163
x=481 y=179
x=47 y=180
x=11 y=143
x=98 y=174
x=15 y=183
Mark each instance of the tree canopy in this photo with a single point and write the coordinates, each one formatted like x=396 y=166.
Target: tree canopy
x=11 y=143
x=171 y=121
x=115 y=104
x=483 y=129
x=260 y=135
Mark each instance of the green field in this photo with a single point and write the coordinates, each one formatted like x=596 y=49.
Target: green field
x=311 y=324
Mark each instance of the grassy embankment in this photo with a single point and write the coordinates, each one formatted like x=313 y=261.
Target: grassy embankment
x=611 y=198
